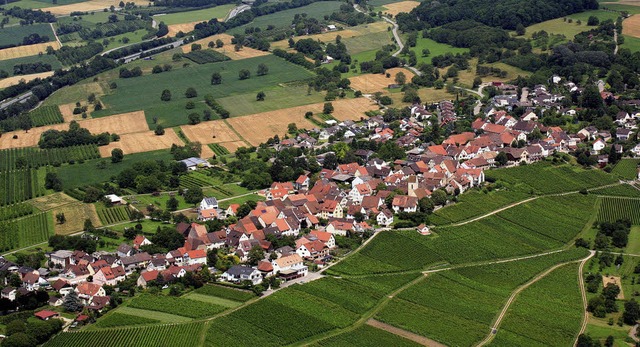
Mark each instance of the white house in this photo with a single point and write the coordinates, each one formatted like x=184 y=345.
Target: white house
x=598 y=145
x=209 y=203
x=114 y=199
x=239 y=273
x=384 y=218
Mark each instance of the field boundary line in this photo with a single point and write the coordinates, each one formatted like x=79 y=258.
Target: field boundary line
x=494 y=329
x=425 y=341
x=583 y=295
x=236 y=132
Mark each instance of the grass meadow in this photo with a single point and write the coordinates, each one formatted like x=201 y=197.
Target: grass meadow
x=195 y=16
x=13 y=35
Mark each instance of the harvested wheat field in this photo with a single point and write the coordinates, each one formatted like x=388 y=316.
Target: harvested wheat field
x=227 y=49
x=10 y=81
x=233 y=146
x=258 y=128
x=142 y=142
x=89 y=6
x=124 y=123
x=207 y=152
x=26 y=139
x=631 y=26
x=47 y=202
x=67 y=112
x=184 y=27
x=25 y=51
x=402 y=6
x=214 y=131
x=76 y=214
x=371 y=83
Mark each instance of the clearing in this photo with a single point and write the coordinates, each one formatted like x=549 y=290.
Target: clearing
x=215 y=131
x=89 y=6
x=25 y=51
x=615 y=280
x=75 y=215
x=227 y=49
x=631 y=26
x=142 y=142
x=402 y=6
x=260 y=127
x=9 y=81
x=371 y=83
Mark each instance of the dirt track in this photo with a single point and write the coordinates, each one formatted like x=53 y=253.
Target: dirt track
x=404 y=333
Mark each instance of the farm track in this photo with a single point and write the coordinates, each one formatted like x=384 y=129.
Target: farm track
x=236 y=132
x=583 y=294
x=512 y=298
x=404 y=333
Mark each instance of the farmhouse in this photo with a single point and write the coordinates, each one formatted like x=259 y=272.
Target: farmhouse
x=114 y=199
x=195 y=163
x=240 y=273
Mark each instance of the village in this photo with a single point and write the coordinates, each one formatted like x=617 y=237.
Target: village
x=303 y=226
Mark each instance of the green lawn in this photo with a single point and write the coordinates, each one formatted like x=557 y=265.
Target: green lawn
x=7 y=65
x=160 y=201
x=435 y=48
x=212 y=300
x=161 y=316
x=241 y=200
x=633 y=247
x=367 y=42
x=284 y=18
x=631 y=9
x=560 y=27
x=148 y=88
x=195 y=16
x=277 y=97
x=78 y=175
x=631 y=43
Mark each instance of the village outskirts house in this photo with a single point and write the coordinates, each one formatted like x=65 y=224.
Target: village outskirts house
x=290 y=267
x=240 y=273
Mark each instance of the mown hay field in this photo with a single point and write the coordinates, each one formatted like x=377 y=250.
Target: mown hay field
x=142 y=142
x=371 y=83
x=10 y=81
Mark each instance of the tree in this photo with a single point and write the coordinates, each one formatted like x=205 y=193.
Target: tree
x=255 y=255
x=327 y=108
x=401 y=78
x=172 y=204
x=166 y=95
x=191 y=93
x=263 y=69
x=130 y=233
x=502 y=158
x=439 y=197
x=593 y=21
x=61 y=218
x=72 y=302
x=212 y=257
x=216 y=78
x=219 y=43
x=194 y=118
x=631 y=312
x=136 y=215
x=292 y=128
x=51 y=181
x=159 y=130
x=426 y=52
x=260 y=96
x=19 y=340
x=520 y=29
x=244 y=74
x=116 y=155
x=193 y=195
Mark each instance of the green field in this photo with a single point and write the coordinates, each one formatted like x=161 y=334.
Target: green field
x=46 y=115
x=613 y=209
x=206 y=14
x=148 y=88
x=19 y=185
x=277 y=97
x=121 y=319
x=631 y=43
x=225 y=293
x=367 y=336
x=159 y=201
x=7 y=65
x=549 y=312
x=13 y=35
x=624 y=190
x=113 y=215
x=544 y=178
x=457 y=307
x=284 y=18
x=35 y=157
x=79 y=175
x=559 y=27
x=367 y=42
x=627 y=169
x=435 y=48
x=178 y=306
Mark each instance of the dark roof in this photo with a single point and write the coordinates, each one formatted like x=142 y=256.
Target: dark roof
x=238 y=270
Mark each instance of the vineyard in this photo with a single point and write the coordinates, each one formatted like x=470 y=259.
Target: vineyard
x=625 y=190
x=457 y=307
x=206 y=56
x=613 y=209
x=627 y=169
x=46 y=115
x=117 y=319
x=162 y=335
x=113 y=215
x=179 y=306
x=226 y=293
x=26 y=231
x=367 y=336
x=475 y=203
x=218 y=149
x=15 y=211
x=547 y=313
x=19 y=185
x=214 y=185
x=544 y=178
x=15 y=158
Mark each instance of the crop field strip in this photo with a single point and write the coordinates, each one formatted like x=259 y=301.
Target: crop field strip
x=613 y=209
x=622 y=190
x=19 y=185
x=180 y=306
x=457 y=307
x=547 y=313
x=476 y=203
x=25 y=231
x=35 y=157
x=367 y=336
x=16 y=211
x=113 y=215
x=117 y=319
x=162 y=335
x=627 y=169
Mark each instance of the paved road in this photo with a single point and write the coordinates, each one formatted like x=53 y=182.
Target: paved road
x=237 y=10
x=19 y=98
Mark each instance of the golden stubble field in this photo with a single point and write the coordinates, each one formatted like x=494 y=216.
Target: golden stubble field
x=89 y=6
x=371 y=83
x=258 y=128
x=120 y=124
x=13 y=80
x=142 y=142
x=631 y=26
x=402 y=6
x=25 y=51
x=227 y=49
